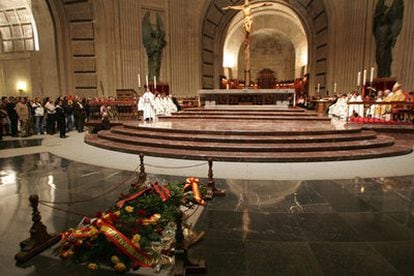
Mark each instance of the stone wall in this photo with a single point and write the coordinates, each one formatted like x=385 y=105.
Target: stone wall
x=354 y=44
x=93 y=47
x=273 y=51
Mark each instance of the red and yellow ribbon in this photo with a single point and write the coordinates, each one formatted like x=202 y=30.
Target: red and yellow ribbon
x=162 y=191
x=194 y=183
x=121 y=203
x=125 y=245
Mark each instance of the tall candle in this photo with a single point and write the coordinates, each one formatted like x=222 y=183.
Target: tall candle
x=155 y=82
x=146 y=81
x=359 y=79
x=319 y=87
x=371 y=76
x=139 y=80
x=364 y=79
x=334 y=90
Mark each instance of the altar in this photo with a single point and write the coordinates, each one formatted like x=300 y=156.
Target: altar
x=216 y=97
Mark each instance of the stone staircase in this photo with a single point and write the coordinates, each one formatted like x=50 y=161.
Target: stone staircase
x=235 y=136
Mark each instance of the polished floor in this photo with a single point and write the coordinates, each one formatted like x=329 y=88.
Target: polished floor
x=354 y=226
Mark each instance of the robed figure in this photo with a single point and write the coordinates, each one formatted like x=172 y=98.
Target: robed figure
x=146 y=104
x=388 y=22
x=154 y=42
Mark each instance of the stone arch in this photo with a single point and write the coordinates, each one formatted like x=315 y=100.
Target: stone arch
x=312 y=14
x=74 y=23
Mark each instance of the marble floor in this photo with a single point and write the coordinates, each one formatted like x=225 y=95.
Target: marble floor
x=296 y=223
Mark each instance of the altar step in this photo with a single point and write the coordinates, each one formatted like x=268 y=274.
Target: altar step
x=246 y=136
x=245 y=117
x=275 y=114
x=263 y=144
x=238 y=156
x=246 y=113
x=253 y=108
x=247 y=146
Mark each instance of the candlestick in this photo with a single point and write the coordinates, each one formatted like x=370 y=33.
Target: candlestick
x=155 y=82
x=371 y=76
x=334 y=89
x=359 y=79
x=319 y=87
x=146 y=81
x=139 y=80
x=364 y=79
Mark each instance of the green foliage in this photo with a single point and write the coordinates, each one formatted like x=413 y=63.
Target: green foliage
x=145 y=218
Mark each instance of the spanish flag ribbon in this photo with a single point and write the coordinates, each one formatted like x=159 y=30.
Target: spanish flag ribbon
x=125 y=245
x=121 y=203
x=162 y=191
x=194 y=183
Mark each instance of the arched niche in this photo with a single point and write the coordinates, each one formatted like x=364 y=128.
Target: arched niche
x=218 y=24
x=276 y=26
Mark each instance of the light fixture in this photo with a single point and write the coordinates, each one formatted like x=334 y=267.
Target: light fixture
x=21 y=86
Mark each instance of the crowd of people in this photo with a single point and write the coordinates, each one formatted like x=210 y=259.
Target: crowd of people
x=155 y=105
x=350 y=106
x=23 y=116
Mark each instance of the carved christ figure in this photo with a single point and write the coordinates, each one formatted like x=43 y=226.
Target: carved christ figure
x=247 y=7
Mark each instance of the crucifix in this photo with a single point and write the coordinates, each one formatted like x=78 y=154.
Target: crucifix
x=247 y=7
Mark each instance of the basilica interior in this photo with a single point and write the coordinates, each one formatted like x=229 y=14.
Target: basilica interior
x=282 y=109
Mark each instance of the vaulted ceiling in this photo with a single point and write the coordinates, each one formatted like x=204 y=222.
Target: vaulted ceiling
x=17 y=27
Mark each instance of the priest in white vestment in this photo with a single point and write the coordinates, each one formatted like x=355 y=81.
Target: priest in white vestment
x=171 y=105
x=355 y=110
x=146 y=104
x=374 y=111
x=340 y=108
x=158 y=106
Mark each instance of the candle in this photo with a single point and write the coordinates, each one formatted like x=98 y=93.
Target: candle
x=155 y=82
x=146 y=81
x=359 y=79
x=334 y=90
x=139 y=80
x=371 y=76
x=319 y=87
x=364 y=79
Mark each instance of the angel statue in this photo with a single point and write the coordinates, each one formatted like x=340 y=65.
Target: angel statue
x=154 y=42
x=388 y=20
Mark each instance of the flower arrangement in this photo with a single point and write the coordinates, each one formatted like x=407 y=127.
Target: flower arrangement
x=137 y=231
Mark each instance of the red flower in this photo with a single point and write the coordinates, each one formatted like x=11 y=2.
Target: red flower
x=86 y=220
x=141 y=213
x=159 y=229
x=98 y=214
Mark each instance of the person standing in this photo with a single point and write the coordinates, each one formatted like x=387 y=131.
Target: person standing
x=69 y=111
x=23 y=114
x=39 y=113
x=3 y=116
x=79 y=114
x=11 y=111
x=51 y=116
x=60 y=118
x=147 y=105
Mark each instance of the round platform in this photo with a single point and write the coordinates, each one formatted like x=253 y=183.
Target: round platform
x=242 y=139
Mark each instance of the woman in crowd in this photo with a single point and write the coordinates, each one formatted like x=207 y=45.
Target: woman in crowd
x=39 y=113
